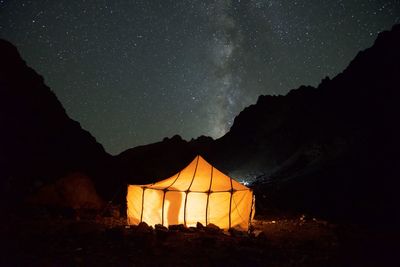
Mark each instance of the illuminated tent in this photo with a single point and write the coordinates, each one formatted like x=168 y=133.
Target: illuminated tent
x=198 y=193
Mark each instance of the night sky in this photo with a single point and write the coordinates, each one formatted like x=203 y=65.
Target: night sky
x=133 y=72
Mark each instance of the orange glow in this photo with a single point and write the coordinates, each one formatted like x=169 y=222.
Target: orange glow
x=198 y=193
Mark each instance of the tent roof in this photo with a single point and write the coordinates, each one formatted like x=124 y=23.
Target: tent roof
x=199 y=176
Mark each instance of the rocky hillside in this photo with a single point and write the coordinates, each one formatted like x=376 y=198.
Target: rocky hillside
x=38 y=141
x=332 y=149
x=357 y=105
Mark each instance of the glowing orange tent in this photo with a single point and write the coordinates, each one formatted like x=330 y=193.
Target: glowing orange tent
x=198 y=193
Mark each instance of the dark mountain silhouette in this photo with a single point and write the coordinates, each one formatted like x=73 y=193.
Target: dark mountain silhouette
x=330 y=150
x=38 y=141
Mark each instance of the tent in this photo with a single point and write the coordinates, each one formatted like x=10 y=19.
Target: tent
x=198 y=193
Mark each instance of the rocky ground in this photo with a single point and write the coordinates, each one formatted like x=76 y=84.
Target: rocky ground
x=107 y=241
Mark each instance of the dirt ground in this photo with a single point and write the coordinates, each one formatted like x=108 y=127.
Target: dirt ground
x=298 y=241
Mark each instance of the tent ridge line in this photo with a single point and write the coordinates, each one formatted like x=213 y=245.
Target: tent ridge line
x=188 y=190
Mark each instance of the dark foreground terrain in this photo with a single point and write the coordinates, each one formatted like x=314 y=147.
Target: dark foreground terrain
x=106 y=241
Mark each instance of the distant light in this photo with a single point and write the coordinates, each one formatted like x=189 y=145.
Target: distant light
x=243 y=182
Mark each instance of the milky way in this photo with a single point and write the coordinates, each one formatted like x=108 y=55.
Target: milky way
x=133 y=72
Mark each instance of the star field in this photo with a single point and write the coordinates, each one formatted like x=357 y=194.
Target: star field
x=133 y=72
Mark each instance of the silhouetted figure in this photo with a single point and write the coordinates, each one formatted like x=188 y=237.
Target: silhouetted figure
x=173 y=202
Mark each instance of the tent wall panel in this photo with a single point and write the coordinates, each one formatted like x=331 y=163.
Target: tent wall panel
x=196 y=208
x=221 y=181
x=241 y=208
x=152 y=207
x=218 y=209
x=134 y=204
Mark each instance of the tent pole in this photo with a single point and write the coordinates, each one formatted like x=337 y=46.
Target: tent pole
x=141 y=213
x=251 y=209
x=230 y=204
x=165 y=191
x=208 y=194
x=188 y=190
x=230 y=209
x=162 y=212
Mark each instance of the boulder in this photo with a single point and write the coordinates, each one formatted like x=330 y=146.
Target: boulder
x=144 y=228
x=75 y=190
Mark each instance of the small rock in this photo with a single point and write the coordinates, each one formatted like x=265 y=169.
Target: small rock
x=199 y=226
x=237 y=233
x=176 y=227
x=227 y=233
x=144 y=228
x=160 y=227
x=257 y=233
x=212 y=228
